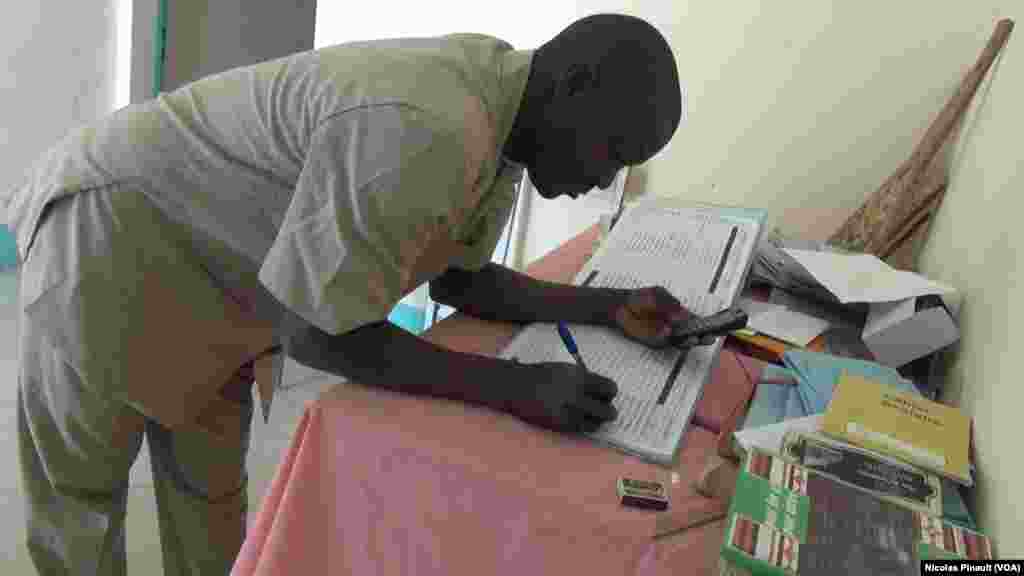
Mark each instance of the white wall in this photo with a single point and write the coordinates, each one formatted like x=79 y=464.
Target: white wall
x=807 y=107
x=975 y=245
x=60 y=62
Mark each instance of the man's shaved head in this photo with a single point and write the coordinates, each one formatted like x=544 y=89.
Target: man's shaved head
x=602 y=94
x=635 y=72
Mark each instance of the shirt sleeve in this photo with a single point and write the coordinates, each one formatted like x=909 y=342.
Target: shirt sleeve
x=372 y=215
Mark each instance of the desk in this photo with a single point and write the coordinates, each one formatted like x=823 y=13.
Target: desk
x=377 y=482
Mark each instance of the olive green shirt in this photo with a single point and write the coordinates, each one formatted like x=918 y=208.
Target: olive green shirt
x=325 y=185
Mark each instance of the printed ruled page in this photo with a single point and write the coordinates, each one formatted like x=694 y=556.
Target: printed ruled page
x=702 y=258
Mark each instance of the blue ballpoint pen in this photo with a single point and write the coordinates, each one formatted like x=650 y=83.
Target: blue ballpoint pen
x=570 y=344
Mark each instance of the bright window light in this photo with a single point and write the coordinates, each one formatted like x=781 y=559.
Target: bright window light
x=338 y=21
x=123 y=54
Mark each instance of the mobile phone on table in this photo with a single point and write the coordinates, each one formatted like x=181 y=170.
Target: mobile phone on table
x=717 y=324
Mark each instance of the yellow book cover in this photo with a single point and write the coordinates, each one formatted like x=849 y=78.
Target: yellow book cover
x=878 y=417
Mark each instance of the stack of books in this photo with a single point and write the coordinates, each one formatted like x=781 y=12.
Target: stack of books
x=883 y=420
x=789 y=519
x=863 y=493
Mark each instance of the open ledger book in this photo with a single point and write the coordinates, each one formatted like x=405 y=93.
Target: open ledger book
x=702 y=255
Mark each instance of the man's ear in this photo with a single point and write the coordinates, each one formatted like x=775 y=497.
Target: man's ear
x=578 y=78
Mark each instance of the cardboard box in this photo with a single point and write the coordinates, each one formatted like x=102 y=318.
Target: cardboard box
x=900 y=332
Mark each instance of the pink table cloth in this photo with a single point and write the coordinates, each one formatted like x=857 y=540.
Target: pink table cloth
x=382 y=483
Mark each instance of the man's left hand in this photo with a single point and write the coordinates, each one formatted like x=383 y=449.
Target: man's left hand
x=647 y=315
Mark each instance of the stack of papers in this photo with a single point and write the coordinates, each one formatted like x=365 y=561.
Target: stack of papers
x=871 y=415
x=816 y=270
x=782 y=323
x=804 y=386
x=817 y=375
x=775 y=398
x=701 y=255
x=769 y=437
x=864 y=278
x=778 y=407
x=774 y=266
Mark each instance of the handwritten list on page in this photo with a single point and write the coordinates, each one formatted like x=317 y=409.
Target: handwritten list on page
x=700 y=256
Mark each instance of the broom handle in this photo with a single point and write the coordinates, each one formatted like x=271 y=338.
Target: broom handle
x=957 y=105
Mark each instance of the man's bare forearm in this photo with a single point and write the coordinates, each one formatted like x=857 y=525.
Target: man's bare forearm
x=501 y=294
x=383 y=355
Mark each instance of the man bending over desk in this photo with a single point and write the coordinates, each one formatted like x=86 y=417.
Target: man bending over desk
x=288 y=206
x=602 y=95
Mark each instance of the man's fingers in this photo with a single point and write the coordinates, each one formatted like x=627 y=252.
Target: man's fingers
x=580 y=421
x=600 y=388
x=693 y=342
x=596 y=409
x=680 y=316
x=589 y=425
x=668 y=305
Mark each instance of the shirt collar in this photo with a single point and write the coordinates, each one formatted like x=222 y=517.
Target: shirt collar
x=515 y=71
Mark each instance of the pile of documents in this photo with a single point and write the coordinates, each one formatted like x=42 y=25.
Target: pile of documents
x=830 y=511
x=793 y=401
x=898 y=316
x=806 y=383
x=893 y=423
x=867 y=485
x=701 y=255
x=774 y=266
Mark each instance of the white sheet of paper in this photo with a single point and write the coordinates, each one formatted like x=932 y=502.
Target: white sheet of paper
x=929 y=330
x=887 y=314
x=864 y=278
x=788 y=326
x=754 y=307
x=681 y=250
x=811 y=308
x=769 y=438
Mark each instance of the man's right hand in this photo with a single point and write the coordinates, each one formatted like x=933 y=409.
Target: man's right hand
x=564 y=397
x=554 y=395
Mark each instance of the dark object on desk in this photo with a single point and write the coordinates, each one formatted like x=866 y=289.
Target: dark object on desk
x=926 y=373
x=891 y=223
x=718 y=324
x=700 y=332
